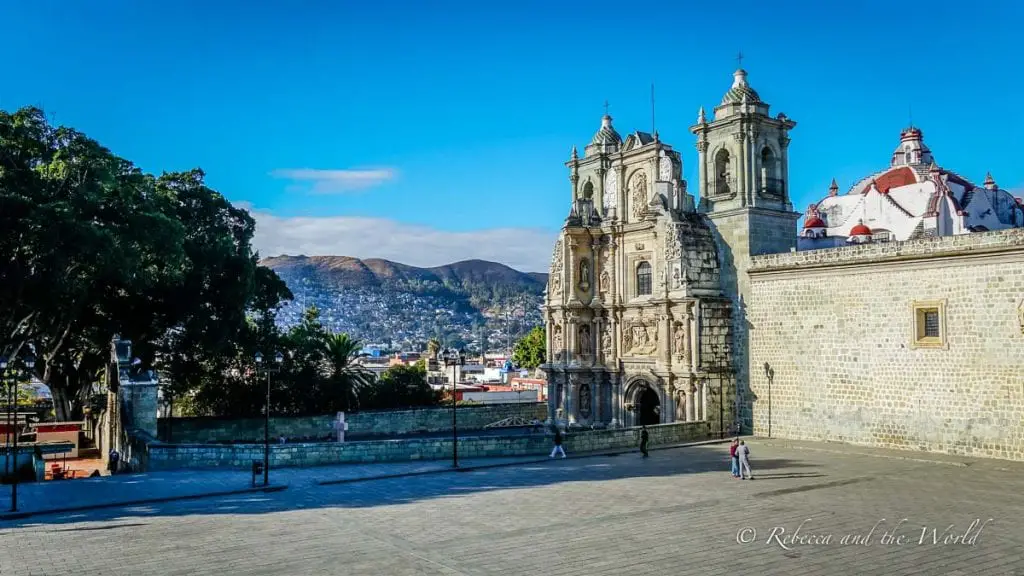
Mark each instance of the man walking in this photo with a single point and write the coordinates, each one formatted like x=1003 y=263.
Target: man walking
x=743 y=454
x=558 y=444
x=734 y=457
x=644 y=437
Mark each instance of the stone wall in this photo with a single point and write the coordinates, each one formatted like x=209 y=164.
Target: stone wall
x=740 y=234
x=838 y=329
x=360 y=424
x=161 y=456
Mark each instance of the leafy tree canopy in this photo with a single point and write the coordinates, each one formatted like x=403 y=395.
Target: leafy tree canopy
x=529 y=352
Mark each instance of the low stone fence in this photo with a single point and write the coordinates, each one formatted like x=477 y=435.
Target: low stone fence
x=366 y=424
x=162 y=456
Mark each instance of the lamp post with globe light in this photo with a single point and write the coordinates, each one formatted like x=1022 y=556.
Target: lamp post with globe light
x=28 y=362
x=454 y=358
x=278 y=360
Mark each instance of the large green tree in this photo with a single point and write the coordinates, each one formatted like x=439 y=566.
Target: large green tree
x=529 y=352
x=93 y=247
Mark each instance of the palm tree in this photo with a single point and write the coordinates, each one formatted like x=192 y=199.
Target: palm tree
x=433 y=345
x=344 y=374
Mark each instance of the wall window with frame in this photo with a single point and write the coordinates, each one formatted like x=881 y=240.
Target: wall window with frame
x=643 y=279
x=929 y=324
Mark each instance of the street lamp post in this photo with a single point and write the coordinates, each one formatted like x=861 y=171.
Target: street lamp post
x=769 y=373
x=278 y=359
x=29 y=362
x=454 y=358
x=721 y=398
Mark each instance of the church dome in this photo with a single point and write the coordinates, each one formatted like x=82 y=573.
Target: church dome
x=860 y=230
x=814 y=222
x=606 y=134
x=740 y=89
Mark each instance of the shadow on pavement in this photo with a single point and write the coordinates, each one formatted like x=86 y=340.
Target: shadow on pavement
x=665 y=464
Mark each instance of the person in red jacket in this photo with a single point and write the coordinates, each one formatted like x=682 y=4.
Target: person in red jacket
x=734 y=457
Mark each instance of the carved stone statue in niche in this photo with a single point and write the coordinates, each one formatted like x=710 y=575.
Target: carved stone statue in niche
x=585 y=401
x=681 y=341
x=584 y=275
x=606 y=341
x=556 y=286
x=680 y=405
x=606 y=281
x=584 y=340
x=638 y=194
x=556 y=338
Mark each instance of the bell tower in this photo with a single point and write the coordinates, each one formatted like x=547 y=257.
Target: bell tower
x=744 y=193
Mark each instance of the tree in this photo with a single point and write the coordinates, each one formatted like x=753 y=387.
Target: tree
x=400 y=386
x=94 y=247
x=345 y=378
x=530 y=351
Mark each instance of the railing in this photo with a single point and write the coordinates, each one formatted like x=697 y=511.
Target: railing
x=773 y=186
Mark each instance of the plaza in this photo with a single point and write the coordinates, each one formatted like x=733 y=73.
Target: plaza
x=677 y=512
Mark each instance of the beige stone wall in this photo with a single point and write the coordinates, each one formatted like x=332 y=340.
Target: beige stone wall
x=837 y=328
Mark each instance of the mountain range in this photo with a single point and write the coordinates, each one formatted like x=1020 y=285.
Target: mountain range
x=361 y=294
x=349 y=272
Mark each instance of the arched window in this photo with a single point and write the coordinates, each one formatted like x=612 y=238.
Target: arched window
x=643 y=279
x=588 y=190
x=723 y=172
x=907 y=157
x=769 y=181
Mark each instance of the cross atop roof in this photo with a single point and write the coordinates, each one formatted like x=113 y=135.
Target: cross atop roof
x=739 y=60
x=605 y=107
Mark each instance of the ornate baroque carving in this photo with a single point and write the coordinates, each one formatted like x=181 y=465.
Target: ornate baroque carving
x=584 y=283
x=673 y=234
x=638 y=193
x=611 y=189
x=665 y=169
x=555 y=282
x=584 y=341
x=640 y=335
x=585 y=400
x=681 y=341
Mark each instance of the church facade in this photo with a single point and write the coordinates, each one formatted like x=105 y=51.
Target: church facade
x=899 y=323
x=644 y=301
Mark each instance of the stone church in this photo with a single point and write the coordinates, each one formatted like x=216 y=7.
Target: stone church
x=645 y=288
x=661 y=310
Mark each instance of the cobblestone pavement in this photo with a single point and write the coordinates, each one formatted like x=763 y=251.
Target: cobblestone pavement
x=42 y=496
x=677 y=512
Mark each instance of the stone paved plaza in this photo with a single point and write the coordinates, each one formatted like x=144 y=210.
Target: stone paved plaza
x=677 y=512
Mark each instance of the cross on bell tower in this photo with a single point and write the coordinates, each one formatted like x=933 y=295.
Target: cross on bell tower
x=739 y=60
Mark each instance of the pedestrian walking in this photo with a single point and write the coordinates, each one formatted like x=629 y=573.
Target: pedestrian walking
x=735 y=457
x=115 y=457
x=558 y=444
x=644 y=437
x=743 y=454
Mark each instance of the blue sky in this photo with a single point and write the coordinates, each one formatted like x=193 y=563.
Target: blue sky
x=457 y=116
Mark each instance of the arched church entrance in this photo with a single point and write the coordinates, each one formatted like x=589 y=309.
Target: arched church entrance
x=649 y=408
x=643 y=404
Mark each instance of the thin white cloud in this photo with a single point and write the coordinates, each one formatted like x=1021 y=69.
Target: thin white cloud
x=334 y=181
x=525 y=249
